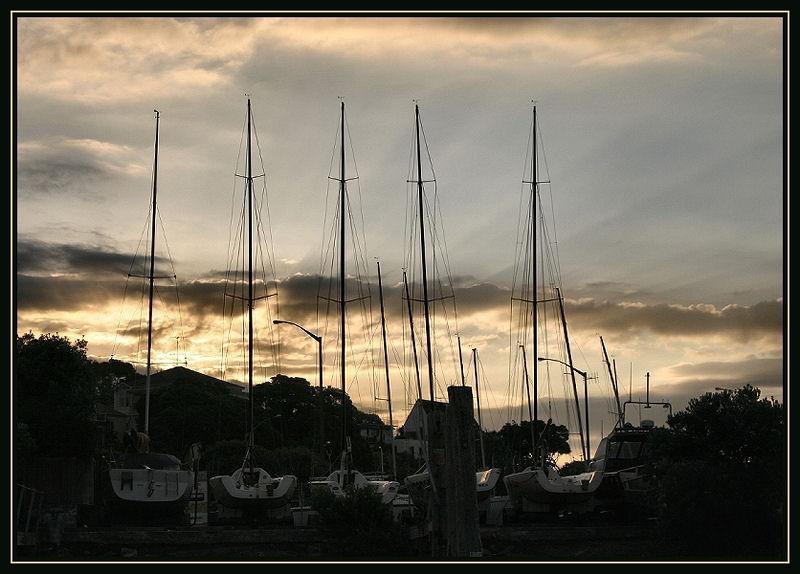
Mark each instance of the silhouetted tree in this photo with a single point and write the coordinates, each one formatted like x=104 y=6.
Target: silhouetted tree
x=189 y=410
x=721 y=470
x=54 y=394
x=510 y=447
x=288 y=413
x=107 y=374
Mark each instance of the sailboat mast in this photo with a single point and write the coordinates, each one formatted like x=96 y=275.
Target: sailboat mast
x=342 y=300
x=413 y=337
x=386 y=365
x=461 y=363
x=612 y=376
x=478 y=398
x=250 y=271
x=150 y=278
x=528 y=392
x=572 y=372
x=424 y=265
x=535 y=310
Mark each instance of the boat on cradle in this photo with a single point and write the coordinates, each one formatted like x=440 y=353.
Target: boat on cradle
x=346 y=477
x=151 y=482
x=418 y=485
x=543 y=489
x=337 y=481
x=250 y=488
x=540 y=487
x=144 y=485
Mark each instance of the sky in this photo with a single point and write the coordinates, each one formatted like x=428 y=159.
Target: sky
x=664 y=152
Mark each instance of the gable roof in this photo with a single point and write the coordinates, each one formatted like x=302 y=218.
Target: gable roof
x=175 y=374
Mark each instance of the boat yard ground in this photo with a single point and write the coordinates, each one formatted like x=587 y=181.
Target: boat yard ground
x=524 y=542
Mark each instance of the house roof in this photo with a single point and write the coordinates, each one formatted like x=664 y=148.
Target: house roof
x=175 y=374
x=430 y=406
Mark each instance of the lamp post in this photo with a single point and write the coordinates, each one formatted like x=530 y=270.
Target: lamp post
x=585 y=398
x=314 y=336
x=318 y=339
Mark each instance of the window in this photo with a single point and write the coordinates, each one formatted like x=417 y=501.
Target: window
x=626 y=449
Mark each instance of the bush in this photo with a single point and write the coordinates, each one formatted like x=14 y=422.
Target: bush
x=721 y=476
x=359 y=524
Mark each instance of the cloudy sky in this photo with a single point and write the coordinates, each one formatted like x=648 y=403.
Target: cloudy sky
x=663 y=140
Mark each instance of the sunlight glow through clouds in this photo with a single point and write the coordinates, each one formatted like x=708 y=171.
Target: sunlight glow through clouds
x=654 y=251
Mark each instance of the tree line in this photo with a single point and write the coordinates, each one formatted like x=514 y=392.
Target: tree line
x=720 y=465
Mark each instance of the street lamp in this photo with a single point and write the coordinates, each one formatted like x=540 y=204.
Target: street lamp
x=585 y=398
x=314 y=336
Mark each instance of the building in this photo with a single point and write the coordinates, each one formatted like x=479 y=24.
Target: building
x=376 y=433
x=122 y=415
x=410 y=435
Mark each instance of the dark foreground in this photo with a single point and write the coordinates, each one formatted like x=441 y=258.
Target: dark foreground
x=541 y=542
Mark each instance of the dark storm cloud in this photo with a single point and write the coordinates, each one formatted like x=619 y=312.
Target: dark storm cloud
x=77 y=167
x=64 y=294
x=202 y=298
x=75 y=177
x=300 y=296
x=38 y=257
x=159 y=331
x=698 y=378
x=743 y=322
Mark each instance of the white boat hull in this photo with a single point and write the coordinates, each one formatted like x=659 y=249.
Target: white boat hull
x=540 y=490
x=151 y=485
x=387 y=489
x=267 y=492
x=485 y=482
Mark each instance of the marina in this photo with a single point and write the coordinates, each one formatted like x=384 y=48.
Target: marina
x=419 y=288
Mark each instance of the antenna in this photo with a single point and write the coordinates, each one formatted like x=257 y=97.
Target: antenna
x=177 y=361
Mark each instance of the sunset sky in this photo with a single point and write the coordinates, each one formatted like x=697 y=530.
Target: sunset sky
x=663 y=139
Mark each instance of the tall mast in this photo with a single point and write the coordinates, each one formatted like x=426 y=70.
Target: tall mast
x=150 y=278
x=424 y=265
x=614 y=384
x=386 y=364
x=535 y=310
x=413 y=337
x=478 y=398
x=530 y=413
x=571 y=371
x=630 y=381
x=461 y=363
x=586 y=409
x=250 y=274
x=342 y=300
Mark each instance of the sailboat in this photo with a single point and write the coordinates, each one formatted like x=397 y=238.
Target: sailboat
x=419 y=483
x=339 y=481
x=486 y=478
x=540 y=487
x=147 y=484
x=250 y=487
